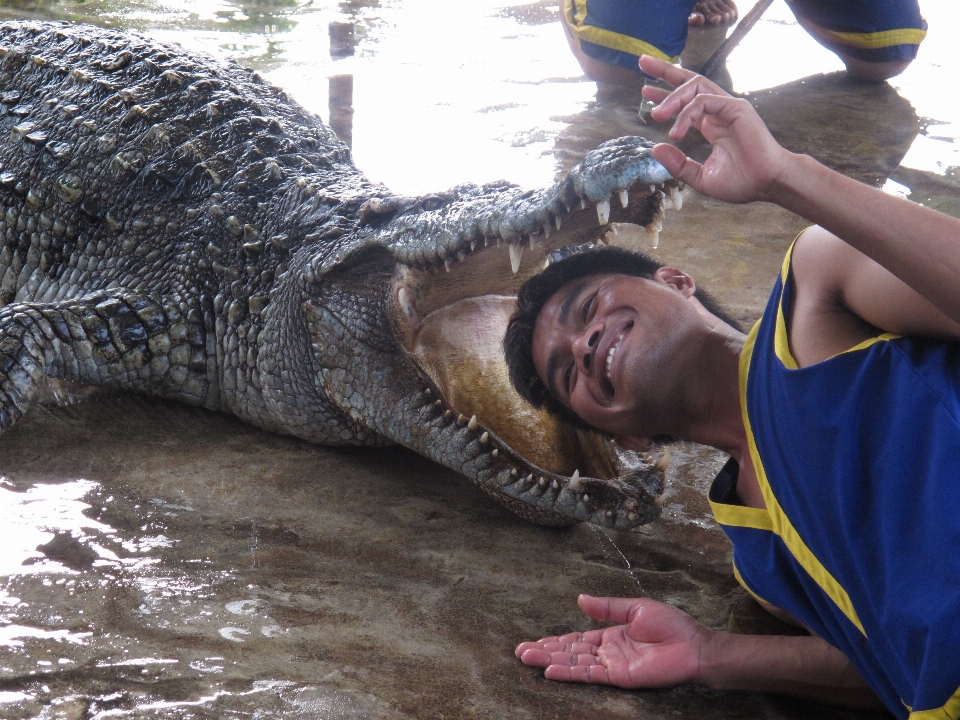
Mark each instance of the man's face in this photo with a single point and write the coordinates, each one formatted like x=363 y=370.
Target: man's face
x=607 y=347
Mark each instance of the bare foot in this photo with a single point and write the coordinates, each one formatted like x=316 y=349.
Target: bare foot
x=713 y=12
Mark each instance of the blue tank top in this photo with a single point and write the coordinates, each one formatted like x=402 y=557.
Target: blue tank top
x=858 y=459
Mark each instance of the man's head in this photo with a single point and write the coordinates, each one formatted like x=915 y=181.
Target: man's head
x=566 y=297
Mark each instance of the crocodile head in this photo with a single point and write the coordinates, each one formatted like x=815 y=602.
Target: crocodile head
x=431 y=374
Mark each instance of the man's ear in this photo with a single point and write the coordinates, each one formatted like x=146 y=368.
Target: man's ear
x=637 y=444
x=677 y=279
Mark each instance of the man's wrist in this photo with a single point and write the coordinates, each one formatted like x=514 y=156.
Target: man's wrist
x=787 y=185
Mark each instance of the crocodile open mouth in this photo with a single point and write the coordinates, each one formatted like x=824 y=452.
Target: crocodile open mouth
x=451 y=313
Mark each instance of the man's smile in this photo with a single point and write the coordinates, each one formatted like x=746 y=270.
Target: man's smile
x=606 y=354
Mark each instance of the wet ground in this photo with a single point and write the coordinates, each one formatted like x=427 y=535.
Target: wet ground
x=164 y=562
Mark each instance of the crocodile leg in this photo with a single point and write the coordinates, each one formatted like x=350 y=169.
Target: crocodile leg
x=109 y=339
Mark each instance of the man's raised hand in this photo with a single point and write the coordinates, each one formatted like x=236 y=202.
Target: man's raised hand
x=746 y=162
x=659 y=646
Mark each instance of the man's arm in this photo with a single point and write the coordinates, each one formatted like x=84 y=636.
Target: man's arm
x=661 y=646
x=914 y=244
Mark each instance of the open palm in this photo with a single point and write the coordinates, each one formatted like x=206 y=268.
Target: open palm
x=658 y=646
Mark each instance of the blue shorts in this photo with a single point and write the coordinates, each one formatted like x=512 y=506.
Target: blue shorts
x=620 y=31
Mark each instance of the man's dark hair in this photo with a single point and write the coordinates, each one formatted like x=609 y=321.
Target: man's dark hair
x=534 y=294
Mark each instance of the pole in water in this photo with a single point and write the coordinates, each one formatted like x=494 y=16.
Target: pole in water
x=739 y=32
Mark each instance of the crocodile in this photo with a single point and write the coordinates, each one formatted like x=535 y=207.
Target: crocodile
x=176 y=226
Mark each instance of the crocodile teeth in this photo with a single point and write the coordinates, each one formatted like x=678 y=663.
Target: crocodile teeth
x=557 y=220
x=485 y=438
x=473 y=424
x=654 y=234
x=546 y=231
x=663 y=462
x=624 y=198
x=406 y=303
x=515 y=252
x=583 y=203
x=446 y=264
x=473 y=245
x=653 y=188
x=676 y=196
x=533 y=242
x=574 y=483
x=603 y=211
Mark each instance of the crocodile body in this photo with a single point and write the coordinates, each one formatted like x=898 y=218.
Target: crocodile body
x=176 y=226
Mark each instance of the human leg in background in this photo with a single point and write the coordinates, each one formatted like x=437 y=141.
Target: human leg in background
x=875 y=39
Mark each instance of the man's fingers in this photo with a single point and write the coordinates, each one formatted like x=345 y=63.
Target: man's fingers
x=724 y=108
x=684 y=96
x=619 y=610
x=578 y=673
x=540 y=657
x=678 y=165
x=673 y=74
x=654 y=94
x=577 y=648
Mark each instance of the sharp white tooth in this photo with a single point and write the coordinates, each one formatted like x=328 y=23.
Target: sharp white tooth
x=473 y=424
x=654 y=234
x=404 y=297
x=624 y=198
x=557 y=220
x=499 y=240
x=461 y=256
x=585 y=497
x=676 y=196
x=583 y=203
x=658 y=223
x=653 y=188
x=486 y=241
x=603 y=211
x=546 y=231
x=574 y=483
x=446 y=264
x=485 y=438
x=473 y=245
x=663 y=462
x=555 y=485
x=533 y=241
x=515 y=252
x=542 y=482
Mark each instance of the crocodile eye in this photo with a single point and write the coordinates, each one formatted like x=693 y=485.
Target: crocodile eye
x=431 y=202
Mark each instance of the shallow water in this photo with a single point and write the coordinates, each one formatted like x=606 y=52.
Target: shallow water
x=163 y=562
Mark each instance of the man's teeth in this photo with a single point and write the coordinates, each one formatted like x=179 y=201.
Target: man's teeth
x=457 y=250
x=610 y=354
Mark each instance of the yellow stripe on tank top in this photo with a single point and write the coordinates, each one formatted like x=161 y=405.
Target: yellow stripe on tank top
x=575 y=12
x=949 y=711
x=874 y=40
x=781 y=524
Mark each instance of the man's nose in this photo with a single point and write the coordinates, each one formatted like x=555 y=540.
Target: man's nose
x=585 y=349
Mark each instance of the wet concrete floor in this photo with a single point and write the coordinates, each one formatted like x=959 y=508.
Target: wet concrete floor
x=164 y=562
